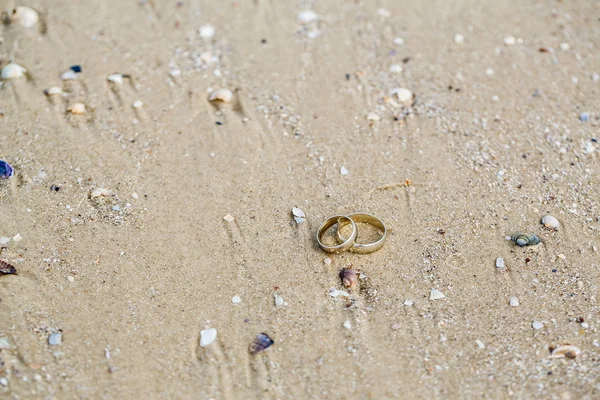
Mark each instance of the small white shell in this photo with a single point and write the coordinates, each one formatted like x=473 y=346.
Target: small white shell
x=307 y=16
x=458 y=38
x=115 y=78
x=207 y=336
x=550 y=222
x=76 y=108
x=396 y=68
x=537 y=325
x=436 y=295
x=333 y=292
x=373 y=117
x=53 y=91
x=236 y=300
x=510 y=40
x=13 y=71
x=500 y=263
x=514 y=301
x=343 y=171
x=408 y=303
x=228 y=218
x=69 y=75
x=137 y=104
x=347 y=325
x=568 y=351
x=26 y=16
x=224 y=95
x=404 y=95
x=101 y=192
x=278 y=300
x=299 y=215
x=207 y=31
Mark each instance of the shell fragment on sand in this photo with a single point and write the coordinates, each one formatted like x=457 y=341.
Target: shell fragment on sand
x=307 y=16
x=299 y=215
x=26 y=16
x=500 y=263
x=55 y=339
x=207 y=31
x=236 y=300
x=207 y=336
x=343 y=171
x=223 y=95
x=261 y=342
x=537 y=325
x=6 y=171
x=404 y=95
x=279 y=301
x=435 y=294
x=7 y=269
x=101 y=192
x=76 y=108
x=550 y=222
x=564 y=351
x=513 y=301
x=12 y=71
x=228 y=218
x=53 y=91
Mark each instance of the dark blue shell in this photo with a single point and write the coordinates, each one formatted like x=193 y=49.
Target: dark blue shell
x=261 y=342
x=75 y=68
x=6 y=170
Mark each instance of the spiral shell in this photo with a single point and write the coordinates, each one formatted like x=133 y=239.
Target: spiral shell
x=349 y=277
x=525 y=239
x=261 y=342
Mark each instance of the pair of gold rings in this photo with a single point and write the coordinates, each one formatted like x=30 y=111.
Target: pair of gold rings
x=349 y=243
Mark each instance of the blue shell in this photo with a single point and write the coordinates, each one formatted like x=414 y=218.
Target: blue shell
x=75 y=68
x=261 y=342
x=6 y=170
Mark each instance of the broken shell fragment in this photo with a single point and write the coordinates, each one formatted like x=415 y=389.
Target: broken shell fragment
x=307 y=16
x=223 y=95
x=349 y=277
x=137 y=104
x=564 y=351
x=76 y=108
x=69 y=75
x=525 y=239
x=206 y=31
x=116 y=78
x=513 y=301
x=101 y=192
x=7 y=269
x=26 y=16
x=299 y=215
x=404 y=95
x=207 y=336
x=53 y=91
x=550 y=222
x=261 y=342
x=13 y=71
x=6 y=171
x=436 y=295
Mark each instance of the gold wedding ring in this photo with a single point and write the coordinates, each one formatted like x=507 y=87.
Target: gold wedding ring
x=346 y=243
x=363 y=248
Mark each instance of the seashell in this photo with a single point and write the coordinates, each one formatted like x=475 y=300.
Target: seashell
x=510 y=40
x=566 y=350
x=513 y=301
x=115 y=78
x=137 y=104
x=333 y=292
x=396 y=68
x=349 y=277
x=76 y=68
x=207 y=336
x=6 y=171
x=69 y=75
x=550 y=222
x=500 y=263
x=207 y=31
x=7 y=269
x=236 y=300
x=307 y=16
x=228 y=218
x=343 y=171
x=101 y=192
x=404 y=95
x=347 y=325
x=26 y=16
x=13 y=71
x=224 y=95
x=279 y=301
x=53 y=91
x=261 y=342
x=408 y=302
x=537 y=325
x=436 y=295
x=299 y=215
x=525 y=239
x=76 y=108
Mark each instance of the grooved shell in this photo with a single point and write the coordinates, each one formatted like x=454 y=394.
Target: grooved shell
x=349 y=277
x=550 y=222
x=13 y=71
x=261 y=342
x=562 y=351
x=525 y=239
x=224 y=95
x=436 y=295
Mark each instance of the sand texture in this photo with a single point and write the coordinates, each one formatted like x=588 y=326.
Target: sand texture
x=495 y=137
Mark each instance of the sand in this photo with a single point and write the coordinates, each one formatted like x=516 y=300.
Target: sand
x=492 y=143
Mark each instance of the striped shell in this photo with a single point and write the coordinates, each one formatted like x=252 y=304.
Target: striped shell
x=525 y=239
x=261 y=342
x=349 y=277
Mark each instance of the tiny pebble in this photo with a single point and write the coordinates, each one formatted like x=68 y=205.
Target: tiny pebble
x=489 y=71
x=4 y=344
x=207 y=336
x=236 y=300
x=307 y=16
x=500 y=262
x=510 y=40
x=584 y=117
x=17 y=237
x=12 y=71
x=396 y=68
x=395 y=327
x=3 y=381
x=408 y=302
x=384 y=13
x=327 y=261
x=134 y=195
x=458 y=38
x=278 y=300
x=207 y=31
x=55 y=339
x=585 y=325
x=70 y=278
x=537 y=325
x=137 y=104
x=76 y=108
x=404 y=95
x=480 y=344
x=343 y=171
x=347 y=325
x=564 y=46
x=373 y=117
x=398 y=41
x=228 y=218
x=514 y=301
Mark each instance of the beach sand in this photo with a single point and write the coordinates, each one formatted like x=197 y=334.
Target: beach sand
x=491 y=142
